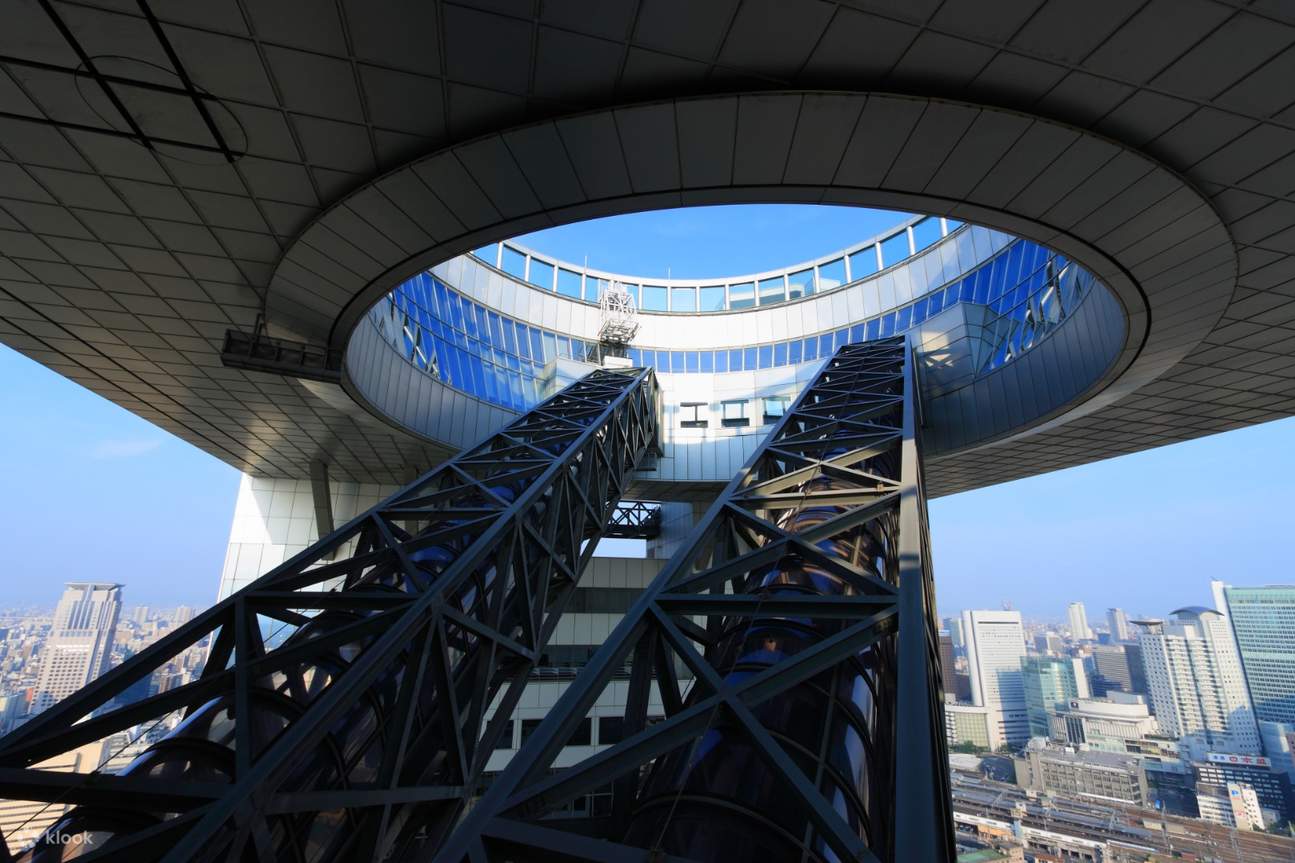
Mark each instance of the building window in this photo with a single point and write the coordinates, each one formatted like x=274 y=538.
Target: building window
x=692 y=415
x=735 y=414
x=741 y=296
x=654 y=298
x=775 y=407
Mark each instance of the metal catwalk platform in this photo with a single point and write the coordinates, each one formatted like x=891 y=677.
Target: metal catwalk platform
x=782 y=704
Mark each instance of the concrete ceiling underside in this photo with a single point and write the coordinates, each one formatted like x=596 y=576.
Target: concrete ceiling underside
x=167 y=173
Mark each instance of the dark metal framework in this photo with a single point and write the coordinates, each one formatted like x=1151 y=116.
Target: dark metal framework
x=792 y=645
x=342 y=713
x=259 y=352
x=635 y=519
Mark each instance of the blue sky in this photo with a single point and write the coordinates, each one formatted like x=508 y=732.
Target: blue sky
x=94 y=492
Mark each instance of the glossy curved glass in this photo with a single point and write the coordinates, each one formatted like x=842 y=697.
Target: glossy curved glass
x=1029 y=289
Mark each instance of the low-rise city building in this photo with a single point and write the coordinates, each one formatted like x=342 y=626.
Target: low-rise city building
x=1092 y=774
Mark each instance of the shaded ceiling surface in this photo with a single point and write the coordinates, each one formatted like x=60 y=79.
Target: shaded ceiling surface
x=164 y=167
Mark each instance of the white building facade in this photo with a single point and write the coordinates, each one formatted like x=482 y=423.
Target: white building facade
x=80 y=642
x=1078 y=616
x=1196 y=683
x=995 y=644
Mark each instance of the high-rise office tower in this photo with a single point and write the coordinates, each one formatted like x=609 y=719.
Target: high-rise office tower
x=995 y=643
x=948 y=674
x=1119 y=666
x=80 y=642
x=1118 y=621
x=1196 y=684
x=1263 y=622
x=1049 y=681
x=1079 y=630
x=953 y=625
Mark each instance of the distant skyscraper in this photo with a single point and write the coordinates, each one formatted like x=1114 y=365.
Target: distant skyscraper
x=80 y=641
x=995 y=644
x=1119 y=624
x=1050 y=681
x=948 y=674
x=1078 y=622
x=1120 y=667
x=1196 y=683
x=1263 y=621
x=954 y=627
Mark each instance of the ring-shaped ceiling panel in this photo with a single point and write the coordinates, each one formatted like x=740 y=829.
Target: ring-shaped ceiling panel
x=1146 y=233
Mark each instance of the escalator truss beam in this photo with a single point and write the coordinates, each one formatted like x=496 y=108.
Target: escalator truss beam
x=345 y=696
x=778 y=552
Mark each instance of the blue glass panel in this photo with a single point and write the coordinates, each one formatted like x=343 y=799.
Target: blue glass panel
x=483 y=322
x=550 y=347
x=568 y=283
x=856 y=334
x=888 y=325
x=707 y=362
x=831 y=275
x=741 y=296
x=984 y=278
x=926 y=232
x=936 y=304
x=894 y=249
x=692 y=363
x=537 y=347
x=541 y=274
x=780 y=354
x=800 y=284
x=1013 y=274
x=478 y=387
x=496 y=332
x=919 y=310
x=510 y=337
x=522 y=342
x=564 y=348
x=712 y=299
x=766 y=356
x=952 y=225
x=903 y=319
x=683 y=299
x=793 y=352
x=676 y=361
x=514 y=263
x=863 y=263
x=663 y=360
x=772 y=291
x=635 y=356
x=811 y=348
x=748 y=359
x=874 y=329
x=654 y=298
x=825 y=345
x=593 y=288
x=488 y=253
x=735 y=360
x=842 y=337
x=458 y=318
x=721 y=361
